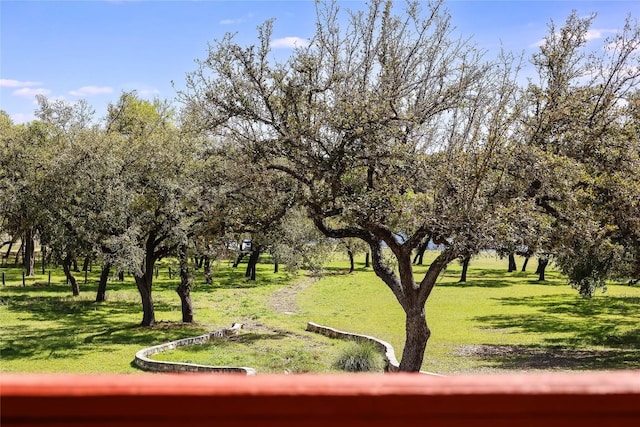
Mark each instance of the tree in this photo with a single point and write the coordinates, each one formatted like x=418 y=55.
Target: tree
x=353 y=248
x=25 y=158
x=154 y=158
x=465 y=260
x=68 y=198
x=298 y=244
x=392 y=129
x=583 y=151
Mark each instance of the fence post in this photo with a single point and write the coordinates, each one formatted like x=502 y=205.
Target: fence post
x=23 y=284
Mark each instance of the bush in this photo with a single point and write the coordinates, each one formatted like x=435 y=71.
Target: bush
x=360 y=357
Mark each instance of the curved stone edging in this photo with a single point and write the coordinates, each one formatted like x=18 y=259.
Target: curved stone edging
x=143 y=362
x=389 y=354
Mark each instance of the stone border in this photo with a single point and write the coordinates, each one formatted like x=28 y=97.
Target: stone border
x=143 y=362
x=391 y=363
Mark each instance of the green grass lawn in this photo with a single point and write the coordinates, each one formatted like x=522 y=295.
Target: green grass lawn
x=495 y=322
x=270 y=351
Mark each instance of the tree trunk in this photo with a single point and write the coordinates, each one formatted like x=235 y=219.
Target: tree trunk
x=6 y=255
x=524 y=265
x=102 y=286
x=206 y=262
x=417 y=260
x=184 y=288
x=465 y=266
x=512 y=262
x=416 y=336
x=75 y=265
x=28 y=257
x=251 y=265
x=542 y=266
x=366 y=260
x=19 y=252
x=144 y=282
x=121 y=276
x=351 y=263
x=43 y=256
x=49 y=255
x=66 y=267
x=276 y=265
x=85 y=264
x=412 y=298
x=237 y=262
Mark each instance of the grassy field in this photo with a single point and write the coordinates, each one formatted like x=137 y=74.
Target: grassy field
x=495 y=322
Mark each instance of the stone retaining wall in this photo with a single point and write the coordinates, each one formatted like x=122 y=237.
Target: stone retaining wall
x=143 y=361
x=385 y=348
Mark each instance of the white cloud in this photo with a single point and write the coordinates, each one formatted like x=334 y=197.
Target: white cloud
x=232 y=21
x=141 y=89
x=539 y=43
x=28 y=92
x=598 y=33
x=144 y=92
x=593 y=34
x=17 y=83
x=289 y=42
x=91 y=90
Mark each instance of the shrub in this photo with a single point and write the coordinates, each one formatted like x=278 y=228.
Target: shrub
x=360 y=357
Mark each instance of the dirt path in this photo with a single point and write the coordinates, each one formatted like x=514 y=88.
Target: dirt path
x=284 y=300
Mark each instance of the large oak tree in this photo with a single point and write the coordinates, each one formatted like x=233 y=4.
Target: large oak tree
x=392 y=127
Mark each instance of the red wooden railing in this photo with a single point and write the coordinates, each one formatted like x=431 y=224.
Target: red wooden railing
x=159 y=400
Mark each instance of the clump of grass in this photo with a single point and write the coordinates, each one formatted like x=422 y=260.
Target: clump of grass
x=360 y=357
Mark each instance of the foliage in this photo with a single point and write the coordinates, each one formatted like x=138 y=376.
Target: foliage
x=388 y=126
x=360 y=357
x=26 y=158
x=581 y=131
x=299 y=245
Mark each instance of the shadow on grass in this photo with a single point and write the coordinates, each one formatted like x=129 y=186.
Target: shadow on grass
x=552 y=358
x=578 y=333
x=477 y=283
x=22 y=342
x=59 y=308
x=234 y=278
x=47 y=322
x=342 y=270
x=61 y=327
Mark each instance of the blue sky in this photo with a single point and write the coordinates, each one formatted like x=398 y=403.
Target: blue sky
x=94 y=49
